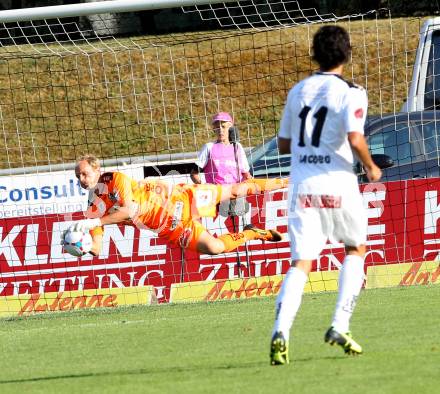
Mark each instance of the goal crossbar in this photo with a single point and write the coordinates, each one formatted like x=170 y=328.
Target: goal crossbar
x=99 y=7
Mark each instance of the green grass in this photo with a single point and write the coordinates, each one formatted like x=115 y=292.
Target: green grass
x=223 y=347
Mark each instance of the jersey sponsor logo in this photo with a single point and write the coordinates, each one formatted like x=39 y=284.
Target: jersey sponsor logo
x=148 y=187
x=315 y=159
x=359 y=113
x=177 y=215
x=107 y=177
x=319 y=201
x=152 y=187
x=205 y=200
x=237 y=236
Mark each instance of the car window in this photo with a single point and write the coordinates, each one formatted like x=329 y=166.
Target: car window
x=269 y=147
x=393 y=141
x=432 y=88
x=406 y=143
x=265 y=160
x=428 y=134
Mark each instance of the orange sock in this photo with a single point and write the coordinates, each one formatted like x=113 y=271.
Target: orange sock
x=234 y=240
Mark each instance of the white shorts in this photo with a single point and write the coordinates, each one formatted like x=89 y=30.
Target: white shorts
x=316 y=219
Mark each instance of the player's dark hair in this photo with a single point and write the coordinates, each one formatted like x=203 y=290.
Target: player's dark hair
x=331 y=47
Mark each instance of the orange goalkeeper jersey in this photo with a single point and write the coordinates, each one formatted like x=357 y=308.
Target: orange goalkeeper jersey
x=154 y=205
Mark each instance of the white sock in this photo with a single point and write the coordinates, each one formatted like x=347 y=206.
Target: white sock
x=289 y=300
x=351 y=278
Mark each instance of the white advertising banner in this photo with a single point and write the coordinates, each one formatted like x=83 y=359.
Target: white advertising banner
x=47 y=193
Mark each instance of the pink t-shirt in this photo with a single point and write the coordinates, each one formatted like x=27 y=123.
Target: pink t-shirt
x=219 y=164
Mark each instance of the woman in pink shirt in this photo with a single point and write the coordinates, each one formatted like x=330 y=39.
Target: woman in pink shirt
x=221 y=161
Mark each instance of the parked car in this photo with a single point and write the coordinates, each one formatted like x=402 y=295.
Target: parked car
x=424 y=90
x=405 y=145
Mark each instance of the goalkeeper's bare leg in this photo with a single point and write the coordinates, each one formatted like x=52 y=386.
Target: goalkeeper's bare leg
x=250 y=187
x=225 y=243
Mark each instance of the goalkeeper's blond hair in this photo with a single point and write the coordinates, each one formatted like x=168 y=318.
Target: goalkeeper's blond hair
x=91 y=159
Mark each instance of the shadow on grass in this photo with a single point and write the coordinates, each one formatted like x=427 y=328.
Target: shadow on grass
x=341 y=357
x=141 y=371
x=153 y=371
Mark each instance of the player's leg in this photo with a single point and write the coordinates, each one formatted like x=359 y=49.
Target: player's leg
x=203 y=199
x=351 y=279
x=193 y=235
x=250 y=187
x=206 y=243
x=350 y=227
x=287 y=305
x=307 y=240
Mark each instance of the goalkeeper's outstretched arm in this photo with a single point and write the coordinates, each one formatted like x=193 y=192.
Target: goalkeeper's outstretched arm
x=97 y=244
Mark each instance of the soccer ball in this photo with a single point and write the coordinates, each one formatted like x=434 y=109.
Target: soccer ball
x=77 y=243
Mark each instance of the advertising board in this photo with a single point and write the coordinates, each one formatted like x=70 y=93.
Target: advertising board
x=402 y=228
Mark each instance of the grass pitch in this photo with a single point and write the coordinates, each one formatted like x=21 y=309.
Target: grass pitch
x=223 y=347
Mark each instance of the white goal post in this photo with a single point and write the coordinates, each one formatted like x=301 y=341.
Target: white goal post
x=96 y=7
x=70 y=85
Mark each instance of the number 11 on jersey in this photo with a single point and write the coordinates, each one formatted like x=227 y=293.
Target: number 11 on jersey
x=317 y=129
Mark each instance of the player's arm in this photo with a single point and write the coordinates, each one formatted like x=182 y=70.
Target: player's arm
x=97 y=244
x=285 y=134
x=126 y=208
x=195 y=174
x=244 y=163
x=125 y=211
x=122 y=214
x=355 y=114
x=360 y=147
x=200 y=163
x=284 y=145
x=246 y=175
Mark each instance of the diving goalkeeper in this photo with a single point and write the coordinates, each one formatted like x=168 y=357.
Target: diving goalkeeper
x=173 y=212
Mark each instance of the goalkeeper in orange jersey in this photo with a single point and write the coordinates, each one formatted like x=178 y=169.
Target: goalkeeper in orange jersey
x=170 y=211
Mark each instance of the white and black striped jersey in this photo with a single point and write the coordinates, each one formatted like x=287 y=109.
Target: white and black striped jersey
x=319 y=112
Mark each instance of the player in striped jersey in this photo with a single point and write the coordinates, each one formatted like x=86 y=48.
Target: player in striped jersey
x=321 y=126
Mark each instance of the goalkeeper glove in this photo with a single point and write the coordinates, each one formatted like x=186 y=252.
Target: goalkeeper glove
x=85 y=225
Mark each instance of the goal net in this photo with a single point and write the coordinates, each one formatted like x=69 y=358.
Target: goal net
x=94 y=78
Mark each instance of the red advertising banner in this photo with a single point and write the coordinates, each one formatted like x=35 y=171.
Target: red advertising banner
x=402 y=227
